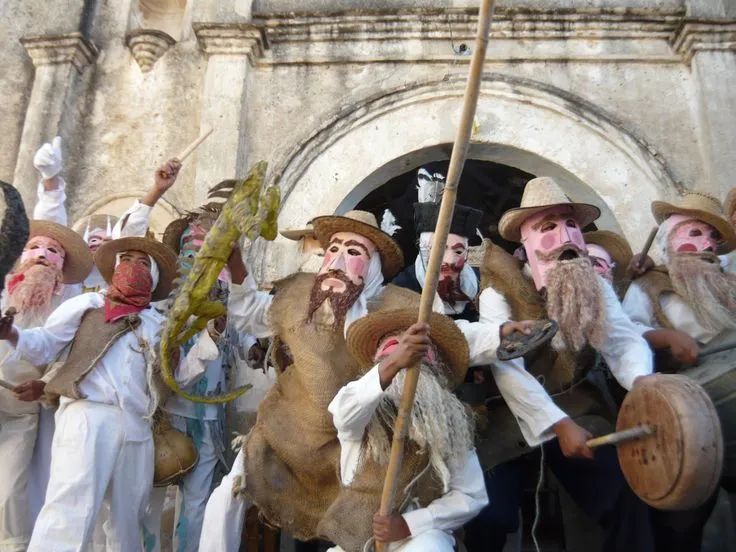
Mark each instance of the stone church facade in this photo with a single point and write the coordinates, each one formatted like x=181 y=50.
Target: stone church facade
x=623 y=101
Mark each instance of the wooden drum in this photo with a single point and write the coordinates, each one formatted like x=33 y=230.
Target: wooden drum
x=679 y=467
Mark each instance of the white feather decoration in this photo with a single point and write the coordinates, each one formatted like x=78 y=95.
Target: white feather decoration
x=429 y=186
x=388 y=223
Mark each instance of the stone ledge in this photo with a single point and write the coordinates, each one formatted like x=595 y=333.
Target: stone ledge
x=53 y=50
x=233 y=40
x=704 y=35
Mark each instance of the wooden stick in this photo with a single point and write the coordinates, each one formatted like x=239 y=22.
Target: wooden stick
x=194 y=145
x=713 y=349
x=621 y=436
x=6 y=385
x=457 y=160
x=643 y=255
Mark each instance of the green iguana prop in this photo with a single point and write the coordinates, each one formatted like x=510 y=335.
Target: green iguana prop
x=250 y=211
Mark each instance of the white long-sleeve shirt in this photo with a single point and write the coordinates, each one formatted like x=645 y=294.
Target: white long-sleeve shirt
x=641 y=312
x=352 y=409
x=627 y=354
x=247 y=308
x=51 y=204
x=119 y=378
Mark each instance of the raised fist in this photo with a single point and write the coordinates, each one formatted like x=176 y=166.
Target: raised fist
x=48 y=159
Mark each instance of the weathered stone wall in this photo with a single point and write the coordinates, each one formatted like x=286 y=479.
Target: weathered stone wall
x=623 y=100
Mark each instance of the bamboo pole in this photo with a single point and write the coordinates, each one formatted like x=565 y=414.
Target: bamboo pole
x=457 y=160
x=5 y=385
x=194 y=145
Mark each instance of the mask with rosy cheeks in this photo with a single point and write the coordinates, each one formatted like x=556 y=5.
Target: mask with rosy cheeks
x=96 y=239
x=602 y=262
x=389 y=344
x=454 y=258
x=350 y=254
x=687 y=235
x=546 y=232
x=44 y=248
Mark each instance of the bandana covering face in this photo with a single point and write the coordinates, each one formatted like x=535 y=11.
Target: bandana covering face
x=129 y=292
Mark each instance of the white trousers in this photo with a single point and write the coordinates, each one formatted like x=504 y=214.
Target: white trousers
x=17 y=440
x=433 y=540
x=225 y=514
x=194 y=490
x=92 y=463
x=41 y=463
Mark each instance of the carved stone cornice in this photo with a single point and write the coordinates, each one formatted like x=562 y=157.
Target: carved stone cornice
x=704 y=35
x=238 y=39
x=59 y=49
x=147 y=46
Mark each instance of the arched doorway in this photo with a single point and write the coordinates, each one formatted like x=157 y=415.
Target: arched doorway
x=523 y=124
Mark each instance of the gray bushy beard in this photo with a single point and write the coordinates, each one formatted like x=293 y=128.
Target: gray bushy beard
x=576 y=302
x=32 y=298
x=699 y=279
x=439 y=423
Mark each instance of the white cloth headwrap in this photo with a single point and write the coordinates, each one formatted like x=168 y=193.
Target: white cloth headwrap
x=373 y=287
x=468 y=279
x=154 y=269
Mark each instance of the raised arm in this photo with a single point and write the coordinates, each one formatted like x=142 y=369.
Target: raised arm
x=51 y=192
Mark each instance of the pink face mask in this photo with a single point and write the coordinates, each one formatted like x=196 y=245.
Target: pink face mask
x=454 y=258
x=602 y=262
x=688 y=235
x=44 y=248
x=545 y=235
x=349 y=253
x=96 y=239
x=389 y=344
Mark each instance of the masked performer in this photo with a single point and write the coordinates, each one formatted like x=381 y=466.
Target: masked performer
x=53 y=260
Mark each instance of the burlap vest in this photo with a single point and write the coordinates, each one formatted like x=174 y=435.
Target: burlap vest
x=93 y=339
x=292 y=453
x=561 y=373
x=654 y=283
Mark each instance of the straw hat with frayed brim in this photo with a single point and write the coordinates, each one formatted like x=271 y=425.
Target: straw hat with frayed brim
x=366 y=225
x=616 y=246
x=78 y=260
x=295 y=234
x=366 y=334
x=165 y=259
x=94 y=221
x=702 y=207
x=729 y=205
x=541 y=194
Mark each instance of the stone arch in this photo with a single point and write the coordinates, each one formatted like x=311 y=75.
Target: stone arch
x=116 y=204
x=520 y=122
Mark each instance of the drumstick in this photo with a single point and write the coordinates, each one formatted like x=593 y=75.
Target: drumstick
x=712 y=350
x=621 y=436
x=6 y=385
x=194 y=145
x=647 y=245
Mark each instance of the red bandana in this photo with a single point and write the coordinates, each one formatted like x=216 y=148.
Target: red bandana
x=129 y=292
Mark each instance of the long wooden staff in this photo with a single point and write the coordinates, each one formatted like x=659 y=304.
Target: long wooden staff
x=642 y=256
x=457 y=160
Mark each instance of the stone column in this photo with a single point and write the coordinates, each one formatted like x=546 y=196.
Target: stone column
x=231 y=50
x=57 y=94
x=709 y=46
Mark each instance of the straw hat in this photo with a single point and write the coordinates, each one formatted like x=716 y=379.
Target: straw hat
x=295 y=234
x=702 y=207
x=165 y=259
x=78 y=261
x=94 y=221
x=729 y=205
x=540 y=194
x=365 y=335
x=365 y=224
x=616 y=246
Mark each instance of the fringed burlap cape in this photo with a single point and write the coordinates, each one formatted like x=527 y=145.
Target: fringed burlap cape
x=292 y=454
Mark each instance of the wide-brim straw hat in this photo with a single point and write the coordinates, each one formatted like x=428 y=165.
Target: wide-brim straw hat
x=365 y=224
x=616 y=246
x=366 y=334
x=94 y=221
x=295 y=234
x=700 y=206
x=541 y=194
x=163 y=255
x=78 y=260
x=729 y=205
